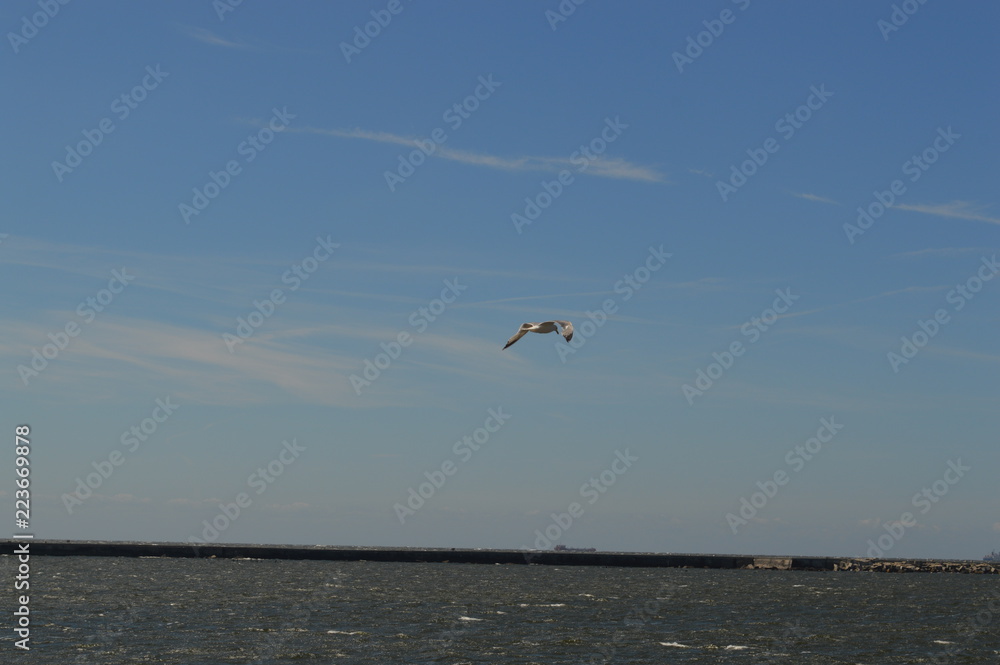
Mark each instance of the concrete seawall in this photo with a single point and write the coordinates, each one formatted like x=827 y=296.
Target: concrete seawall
x=490 y=556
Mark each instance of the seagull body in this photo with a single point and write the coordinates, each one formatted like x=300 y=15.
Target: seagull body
x=543 y=327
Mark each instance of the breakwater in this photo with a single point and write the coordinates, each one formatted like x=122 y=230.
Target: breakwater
x=493 y=556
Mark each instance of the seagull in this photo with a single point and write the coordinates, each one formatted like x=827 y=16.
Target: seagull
x=543 y=327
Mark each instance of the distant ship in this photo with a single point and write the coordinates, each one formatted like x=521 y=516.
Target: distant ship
x=992 y=556
x=563 y=548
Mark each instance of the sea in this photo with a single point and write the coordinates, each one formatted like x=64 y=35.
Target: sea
x=99 y=610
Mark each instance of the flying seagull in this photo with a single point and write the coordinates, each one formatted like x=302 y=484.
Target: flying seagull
x=543 y=327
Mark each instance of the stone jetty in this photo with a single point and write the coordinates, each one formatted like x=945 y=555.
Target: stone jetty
x=920 y=566
x=496 y=556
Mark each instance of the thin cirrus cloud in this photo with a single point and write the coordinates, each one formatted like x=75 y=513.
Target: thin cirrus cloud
x=206 y=36
x=954 y=209
x=307 y=365
x=946 y=252
x=602 y=167
x=817 y=199
x=193 y=363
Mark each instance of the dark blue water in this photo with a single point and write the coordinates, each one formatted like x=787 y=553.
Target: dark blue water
x=116 y=610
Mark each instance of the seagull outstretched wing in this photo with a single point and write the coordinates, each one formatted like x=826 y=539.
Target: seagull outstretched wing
x=522 y=331
x=543 y=327
x=567 y=329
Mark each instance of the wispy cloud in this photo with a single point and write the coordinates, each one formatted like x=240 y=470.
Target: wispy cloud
x=965 y=354
x=946 y=252
x=603 y=167
x=304 y=356
x=824 y=308
x=702 y=284
x=206 y=36
x=490 y=303
x=955 y=209
x=814 y=197
x=194 y=364
x=886 y=294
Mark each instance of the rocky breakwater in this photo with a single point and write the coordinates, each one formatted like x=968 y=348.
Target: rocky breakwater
x=919 y=566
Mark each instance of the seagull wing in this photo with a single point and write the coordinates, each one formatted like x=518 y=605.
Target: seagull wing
x=518 y=335
x=567 y=329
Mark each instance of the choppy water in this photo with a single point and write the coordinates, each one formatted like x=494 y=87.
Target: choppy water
x=201 y=611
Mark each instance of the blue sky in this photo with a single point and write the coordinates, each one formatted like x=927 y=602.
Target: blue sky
x=738 y=396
